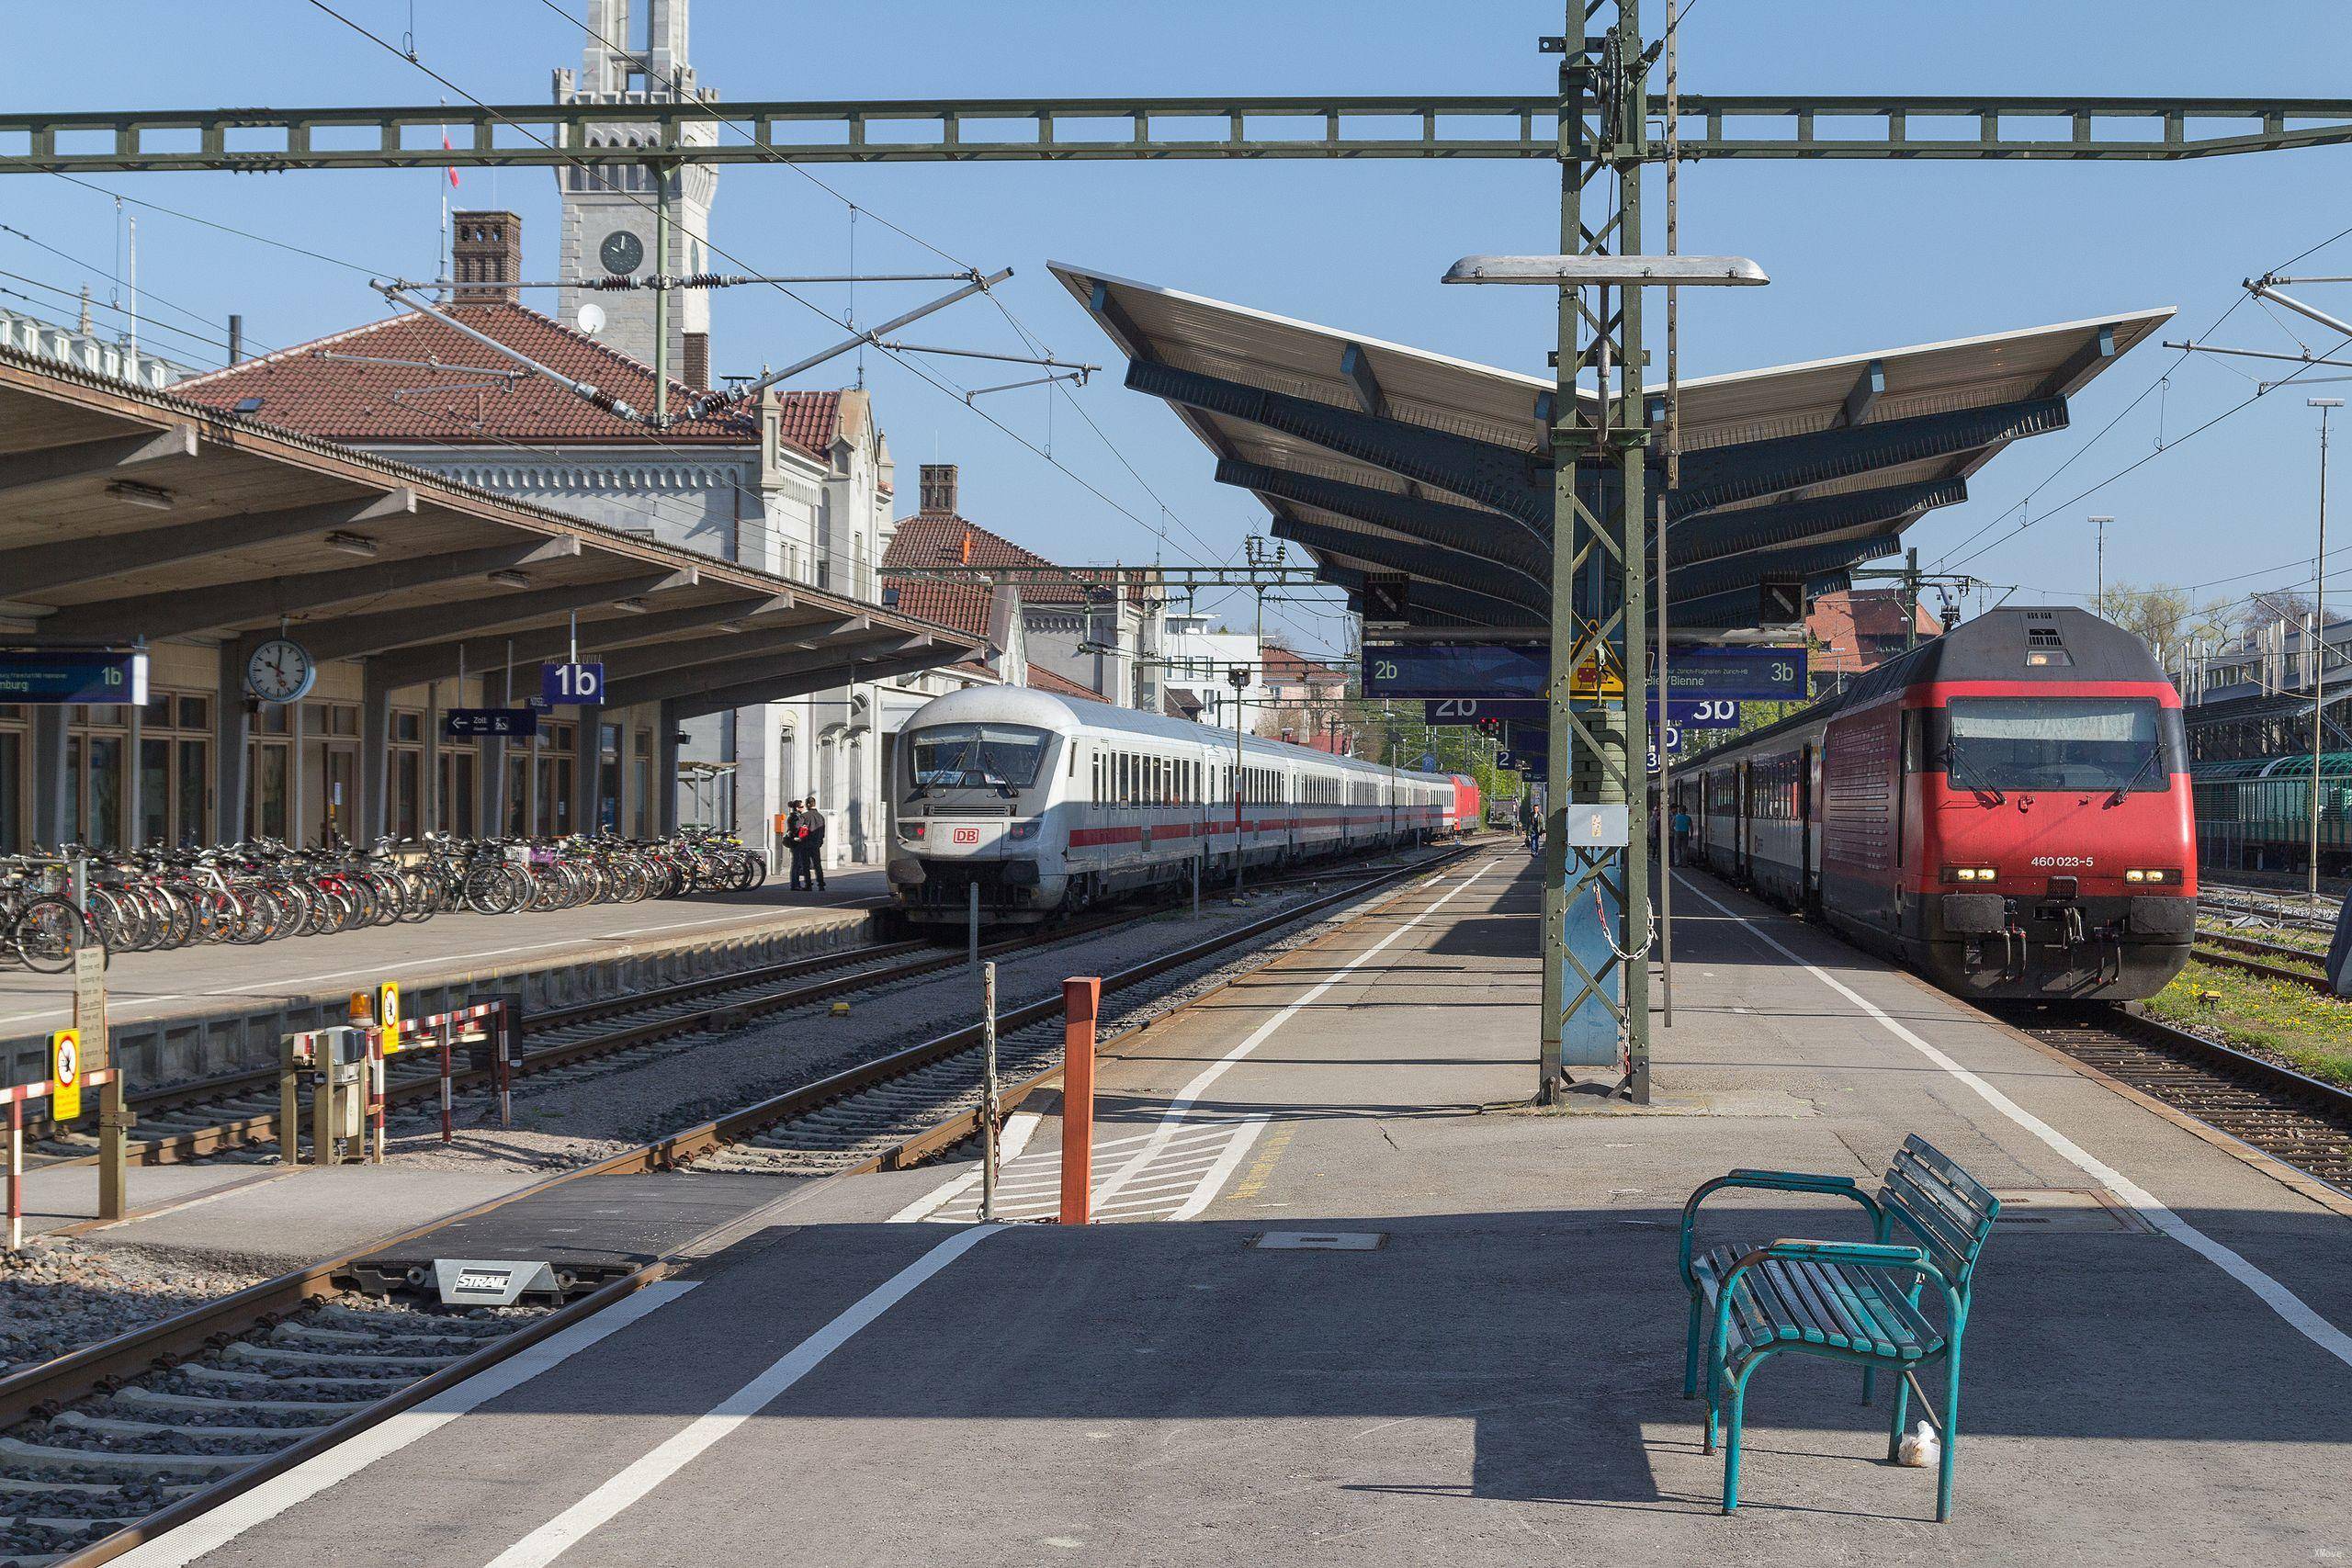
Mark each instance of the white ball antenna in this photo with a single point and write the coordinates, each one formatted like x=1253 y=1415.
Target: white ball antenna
x=590 y=317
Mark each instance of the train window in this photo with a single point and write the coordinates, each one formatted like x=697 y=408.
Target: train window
x=2078 y=743
x=982 y=756
x=1098 y=775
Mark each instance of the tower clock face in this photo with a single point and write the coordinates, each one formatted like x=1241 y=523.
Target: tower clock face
x=621 y=252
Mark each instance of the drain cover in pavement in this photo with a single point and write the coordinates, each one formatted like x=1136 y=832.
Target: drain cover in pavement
x=1319 y=1241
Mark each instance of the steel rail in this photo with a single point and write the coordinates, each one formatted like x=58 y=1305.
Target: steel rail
x=95 y=1369
x=921 y=957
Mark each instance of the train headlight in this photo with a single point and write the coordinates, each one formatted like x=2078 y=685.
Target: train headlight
x=913 y=830
x=2168 y=874
x=1968 y=873
x=1017 y=831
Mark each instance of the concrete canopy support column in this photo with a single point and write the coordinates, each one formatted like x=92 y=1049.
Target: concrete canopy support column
x=490 y=822
x=50 y=827
x=375 y=763
x=588 y=771
x=232 y=742
x=665 y=767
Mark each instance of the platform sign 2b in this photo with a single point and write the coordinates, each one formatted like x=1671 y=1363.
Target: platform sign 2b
x=570 y=684
x=65 y=1074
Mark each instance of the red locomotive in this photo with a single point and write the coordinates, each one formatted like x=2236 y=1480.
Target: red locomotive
x=2006 y=808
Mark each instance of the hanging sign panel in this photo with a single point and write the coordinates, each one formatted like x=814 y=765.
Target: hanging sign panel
x=465 y=724
x=1751 y=674
x=1473 y=710
x=1474 y=670
x=571 y=683
x=48 y=676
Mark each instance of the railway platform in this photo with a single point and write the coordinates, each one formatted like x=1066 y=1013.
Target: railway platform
x=196 y=1012
x=1354 y=1301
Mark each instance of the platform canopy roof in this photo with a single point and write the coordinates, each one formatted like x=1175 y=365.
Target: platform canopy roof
x=1384 y=460
x=127 y=513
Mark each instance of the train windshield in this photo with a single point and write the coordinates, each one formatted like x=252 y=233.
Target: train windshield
x=978 y=756
x=2057 y=743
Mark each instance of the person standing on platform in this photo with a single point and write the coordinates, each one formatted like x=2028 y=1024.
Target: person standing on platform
x=795 y=842
x=1530 y=824
x=812 y=822
x=1681 y=837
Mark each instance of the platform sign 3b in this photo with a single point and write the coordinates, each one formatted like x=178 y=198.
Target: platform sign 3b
x=65 y=1074
x=570 y=684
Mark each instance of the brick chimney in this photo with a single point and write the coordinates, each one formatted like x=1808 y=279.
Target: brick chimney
x=696 y=372
x=486 y=257
x=939 y=488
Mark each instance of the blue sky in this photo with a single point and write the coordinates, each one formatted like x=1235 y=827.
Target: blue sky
x=1862 y=255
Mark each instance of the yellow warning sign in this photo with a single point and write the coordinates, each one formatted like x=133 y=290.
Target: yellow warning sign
x=65 y=1074
x=1591 y=680
x=387 y=1014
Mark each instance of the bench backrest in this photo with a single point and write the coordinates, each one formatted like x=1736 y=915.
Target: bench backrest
x=1947 y=1211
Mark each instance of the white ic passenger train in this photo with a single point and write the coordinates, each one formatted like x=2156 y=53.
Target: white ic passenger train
x=1051 y=804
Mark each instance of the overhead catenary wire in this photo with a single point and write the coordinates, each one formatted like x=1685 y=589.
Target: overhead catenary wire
x=924 y=373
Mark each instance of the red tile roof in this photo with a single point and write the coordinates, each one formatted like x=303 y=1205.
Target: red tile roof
x=1860 y=628
x=933 y=539
x=962 y=606
x=442 y=395
x=1043 y=680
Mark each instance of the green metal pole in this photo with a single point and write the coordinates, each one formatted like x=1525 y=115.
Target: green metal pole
x=1564 y=445
x=1628 y=431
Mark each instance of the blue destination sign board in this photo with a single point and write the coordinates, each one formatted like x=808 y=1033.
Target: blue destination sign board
x=465 y=724
x=1477 y=670
x=1483 y=672
x=1685 y=712
x=49 y=676
x=1744 y=674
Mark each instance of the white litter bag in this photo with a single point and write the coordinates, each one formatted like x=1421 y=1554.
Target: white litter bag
x=1920 y=1448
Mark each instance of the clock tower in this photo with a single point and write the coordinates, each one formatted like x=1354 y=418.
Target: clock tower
x=637 y=54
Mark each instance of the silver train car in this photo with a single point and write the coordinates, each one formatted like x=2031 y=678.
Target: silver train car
x=1049 y=805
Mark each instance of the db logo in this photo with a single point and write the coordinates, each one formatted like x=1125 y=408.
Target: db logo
x=968 y=835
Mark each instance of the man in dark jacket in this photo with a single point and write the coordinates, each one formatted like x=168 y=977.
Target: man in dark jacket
x=797 y=846
x=812 y=835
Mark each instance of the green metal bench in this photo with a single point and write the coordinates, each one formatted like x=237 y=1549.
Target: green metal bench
x=1855 y=1302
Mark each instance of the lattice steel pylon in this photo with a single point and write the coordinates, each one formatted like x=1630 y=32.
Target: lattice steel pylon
x=1596 y=997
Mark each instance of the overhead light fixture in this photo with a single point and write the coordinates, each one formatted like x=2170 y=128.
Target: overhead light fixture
x=634 y=606
x=1615 y=272
x=136 y=495
x=354 y=544
x=511 y=579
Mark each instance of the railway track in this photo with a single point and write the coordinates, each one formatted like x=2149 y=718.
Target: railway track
x=2298 y=1118
x=237 y=1113
x=2250 y=956
x=109 y=1446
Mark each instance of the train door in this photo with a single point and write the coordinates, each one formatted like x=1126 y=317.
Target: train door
x=1743 y=829
x=1805 y=830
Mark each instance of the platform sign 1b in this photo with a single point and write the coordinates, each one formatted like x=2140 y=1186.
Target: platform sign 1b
x=567 y=683
x=49 y=676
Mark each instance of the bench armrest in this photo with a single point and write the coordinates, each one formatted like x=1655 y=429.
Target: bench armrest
x=1775 y=1181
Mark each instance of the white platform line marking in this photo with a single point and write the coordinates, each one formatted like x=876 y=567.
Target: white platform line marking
x=2273 y=1295
x=1172 y=1120
x=1172 y=1127
x=306 y=1480
x=1015 y=1138
x=551 y=1539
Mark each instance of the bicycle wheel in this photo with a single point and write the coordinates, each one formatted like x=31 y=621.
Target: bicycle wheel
x=47 y=934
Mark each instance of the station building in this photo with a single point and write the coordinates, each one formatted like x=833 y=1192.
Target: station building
x=130 y=516
x=796 y=484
